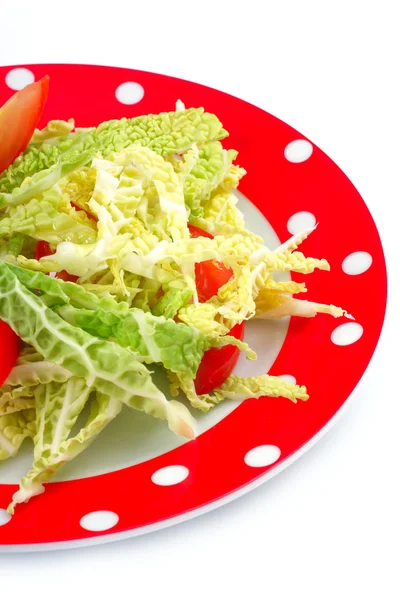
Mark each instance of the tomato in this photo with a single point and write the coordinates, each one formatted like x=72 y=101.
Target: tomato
x=217 y=363
x=9 y=350
x=43 y=249
x=196 y=232
x=18 y=119
x=210 y=274
x=88 y=214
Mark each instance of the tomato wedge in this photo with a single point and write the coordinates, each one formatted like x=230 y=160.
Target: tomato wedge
x=217 y=363
x=196 y=232
x=9 y=350
x=43 y=249
x=18 y=119
x=210 y=274
x=88 y=214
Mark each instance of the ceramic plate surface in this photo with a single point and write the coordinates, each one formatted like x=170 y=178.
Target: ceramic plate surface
x=137 y=476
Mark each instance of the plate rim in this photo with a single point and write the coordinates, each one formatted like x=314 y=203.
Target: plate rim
x=262 y=478
x=202 y=510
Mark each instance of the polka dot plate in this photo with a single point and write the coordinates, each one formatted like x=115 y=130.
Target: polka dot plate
x=137 y=476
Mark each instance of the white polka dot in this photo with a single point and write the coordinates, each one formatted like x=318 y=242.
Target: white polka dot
x=298 y=151
x=100 y=520
x=300 y=221
x=129 y=92
x=170 y=475
x=262 y=456
x=5 y=517
x=16 y=79
x=347 y=334
x=357 y=263
x=288 y=378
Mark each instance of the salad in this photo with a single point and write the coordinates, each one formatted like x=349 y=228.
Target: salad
x=122 y=250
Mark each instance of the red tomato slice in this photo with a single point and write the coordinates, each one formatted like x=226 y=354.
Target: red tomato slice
x=196 y=232
x=18 y=118
x=210 y=274
x=217 y=363
x=89 y=215
x=43 y=249
x=9 y=350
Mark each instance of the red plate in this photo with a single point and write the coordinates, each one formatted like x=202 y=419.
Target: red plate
x=292 y=183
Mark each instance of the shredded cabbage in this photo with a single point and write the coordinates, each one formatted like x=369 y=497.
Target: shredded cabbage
x=58 y=406
x=115 y=203
x=105 y=366
x=14 y=429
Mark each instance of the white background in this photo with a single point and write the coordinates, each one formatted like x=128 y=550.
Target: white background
x=328 y=526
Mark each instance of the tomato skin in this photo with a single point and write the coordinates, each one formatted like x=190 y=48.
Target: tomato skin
x=9 y=350
x=65 y=276
x=210 y=274
x=19 y=117
x=88 y=214
x=196 y=232
x=217 y=364
x=43 y=249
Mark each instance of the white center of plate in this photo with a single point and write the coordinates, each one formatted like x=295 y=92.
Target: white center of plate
x=134 y=437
